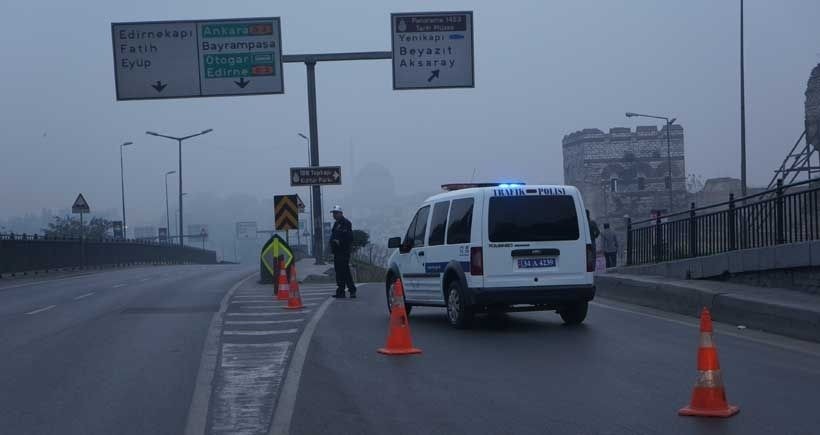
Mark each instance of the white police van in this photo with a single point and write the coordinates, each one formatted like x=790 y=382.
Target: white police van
x=494 y=248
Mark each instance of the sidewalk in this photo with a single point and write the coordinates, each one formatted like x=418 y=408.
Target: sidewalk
x=306 y=267
x=781 y=311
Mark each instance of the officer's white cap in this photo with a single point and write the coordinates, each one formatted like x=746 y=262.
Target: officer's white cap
x=337 y=208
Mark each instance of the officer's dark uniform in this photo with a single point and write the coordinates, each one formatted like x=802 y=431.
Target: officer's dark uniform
x=341 y=241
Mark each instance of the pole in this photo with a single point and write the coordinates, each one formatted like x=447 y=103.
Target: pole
x=316 y=192
x=122 y=189
x=669 y=159
x=179 y=173
x=82 y=242
x=742 y=112
x=167 y=212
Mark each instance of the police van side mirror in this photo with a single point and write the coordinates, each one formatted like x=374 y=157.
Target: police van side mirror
x=394 y=242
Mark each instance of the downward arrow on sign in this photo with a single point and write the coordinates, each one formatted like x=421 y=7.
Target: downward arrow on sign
x=159 y=86
x=242 y=82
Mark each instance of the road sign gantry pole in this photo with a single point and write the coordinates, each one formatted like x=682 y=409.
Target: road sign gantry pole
x=310 y=65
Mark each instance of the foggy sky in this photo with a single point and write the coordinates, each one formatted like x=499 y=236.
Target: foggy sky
x=543 y=69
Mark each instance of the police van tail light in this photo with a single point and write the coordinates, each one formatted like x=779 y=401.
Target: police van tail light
x=476 y=261
x=590 y=258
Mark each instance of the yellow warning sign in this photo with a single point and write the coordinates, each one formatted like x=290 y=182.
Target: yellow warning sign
x=286 y=212
x=275 y=247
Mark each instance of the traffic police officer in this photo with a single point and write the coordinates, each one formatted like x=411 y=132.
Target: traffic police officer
x=341 y=241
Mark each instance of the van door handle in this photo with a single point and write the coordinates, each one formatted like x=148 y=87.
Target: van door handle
x=421 y=253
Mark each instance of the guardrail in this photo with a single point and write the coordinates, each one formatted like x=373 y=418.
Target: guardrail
x=22 y=253
x=786 y=214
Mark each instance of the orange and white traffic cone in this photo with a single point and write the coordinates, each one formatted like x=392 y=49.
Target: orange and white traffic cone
x=284 y=287
x=709 y=397
x=398 y=336
x=295 y=296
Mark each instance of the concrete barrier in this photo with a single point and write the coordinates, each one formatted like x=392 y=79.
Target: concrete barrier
x=780 y=311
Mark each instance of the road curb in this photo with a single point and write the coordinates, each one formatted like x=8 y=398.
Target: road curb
x=756 y=308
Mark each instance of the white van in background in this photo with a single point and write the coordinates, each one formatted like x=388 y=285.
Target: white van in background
x=494 y=248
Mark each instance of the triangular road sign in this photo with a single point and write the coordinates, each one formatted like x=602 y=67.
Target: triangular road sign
x=80 y=205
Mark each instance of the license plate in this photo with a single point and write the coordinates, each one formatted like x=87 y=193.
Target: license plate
x=531 y=263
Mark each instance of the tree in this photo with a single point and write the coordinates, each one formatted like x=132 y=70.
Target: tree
x=360 y=239
x=69 y=227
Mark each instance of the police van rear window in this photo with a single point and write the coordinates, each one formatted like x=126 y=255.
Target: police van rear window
x=532 y=218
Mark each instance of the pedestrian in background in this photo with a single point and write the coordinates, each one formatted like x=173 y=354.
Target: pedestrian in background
x=610 y=242
x=341 y=244
x=593 y=233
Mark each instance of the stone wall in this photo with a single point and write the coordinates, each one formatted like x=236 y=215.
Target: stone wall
x=637 y=160
x=813 y=108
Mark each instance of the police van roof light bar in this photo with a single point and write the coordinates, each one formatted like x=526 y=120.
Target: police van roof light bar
x=458 y=186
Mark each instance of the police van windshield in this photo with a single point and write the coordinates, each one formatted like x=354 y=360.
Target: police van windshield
x=532 y=219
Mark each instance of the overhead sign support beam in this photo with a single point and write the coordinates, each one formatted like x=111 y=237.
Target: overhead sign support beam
x=310 y=66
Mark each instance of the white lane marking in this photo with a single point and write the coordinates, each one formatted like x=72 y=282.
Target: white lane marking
x=198 y=410
x=267 y=307
x=261 y=322
x=145 y=279
x=119 y=285
x=83 y=296
x=276 y=332
x=287 y=398
x=42 y=309
x=46 y=281
x=269 y=313
x=250 y=376
x=777 y=341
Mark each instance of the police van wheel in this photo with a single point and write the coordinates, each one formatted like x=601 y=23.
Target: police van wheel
x=574 y=314
x=388 y=293
x=459 y=313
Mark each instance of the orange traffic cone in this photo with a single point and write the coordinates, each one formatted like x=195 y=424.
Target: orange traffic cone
x=398 y=337
x=284 y=287
x=709 y=397
x=295 y=296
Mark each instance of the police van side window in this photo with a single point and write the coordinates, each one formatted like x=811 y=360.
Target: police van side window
x=421 y=226
x=461 y=221
x=439 y=223
x=411 y=232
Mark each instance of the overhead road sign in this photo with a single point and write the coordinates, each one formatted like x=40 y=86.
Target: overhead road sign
x=286 y=212
x=275 y=247
x=316 y=176
x=433 y=50
x=246 y=230
x=80 y=205
x=197 y=58
x=145 y=233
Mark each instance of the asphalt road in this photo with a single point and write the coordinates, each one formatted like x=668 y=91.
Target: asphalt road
x=627 y=370
x=114 y=352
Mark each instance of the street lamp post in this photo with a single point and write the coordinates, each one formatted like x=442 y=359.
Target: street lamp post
x=122 y=189
x=669 y=123
x=179 y=171
x=310 y=201
x=742 y=112
x=167 y=211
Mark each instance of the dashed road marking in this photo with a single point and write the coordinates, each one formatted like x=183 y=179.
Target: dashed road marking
x=262 y=322
x=119 y=285
x=269 y=313
x=146 y=279
x=42 y=309
x=83 y=296
x=274 y=332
